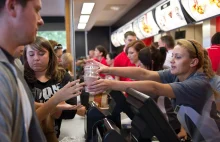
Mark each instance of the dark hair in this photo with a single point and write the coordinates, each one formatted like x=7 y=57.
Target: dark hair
x=168 y=40
x=64 y=51
x=158 y=56
x=22 y=2
x=145 y=57
x=129 y=33
x=112 y=55
x=154 y=44
x=215 y=39
x=53 y=70
x=137 y=45
x=102 y=49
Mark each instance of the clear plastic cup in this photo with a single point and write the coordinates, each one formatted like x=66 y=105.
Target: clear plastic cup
x=90 y=75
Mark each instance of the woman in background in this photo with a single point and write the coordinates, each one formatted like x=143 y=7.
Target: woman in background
x=110 y=59
x=57 y=49
x=132 y=51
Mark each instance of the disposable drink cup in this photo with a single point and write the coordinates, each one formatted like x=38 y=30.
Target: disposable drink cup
x=88 y=81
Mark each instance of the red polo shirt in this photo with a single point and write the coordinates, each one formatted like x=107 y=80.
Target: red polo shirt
x=214 y=55
x=103 y=61
x=122 y=60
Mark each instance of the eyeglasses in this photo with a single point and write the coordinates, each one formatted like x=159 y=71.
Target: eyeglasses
x=58 y=46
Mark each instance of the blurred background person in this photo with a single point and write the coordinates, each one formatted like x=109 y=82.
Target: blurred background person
x=57 y=49
x=100 y=54
x=214 y=52
x=91 y=54
x=110 y=58
x=66 y=62
x=122 y=59
x=167 y=42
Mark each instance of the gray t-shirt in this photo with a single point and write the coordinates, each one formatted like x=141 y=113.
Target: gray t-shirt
x=197 y=110
x=192 y=92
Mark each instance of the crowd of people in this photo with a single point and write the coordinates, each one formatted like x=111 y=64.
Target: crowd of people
x=39 y=91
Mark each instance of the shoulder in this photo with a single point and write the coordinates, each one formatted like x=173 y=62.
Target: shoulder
x=198 y=85
x=119 y=56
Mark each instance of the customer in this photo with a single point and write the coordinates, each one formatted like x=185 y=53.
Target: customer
x=45 y=79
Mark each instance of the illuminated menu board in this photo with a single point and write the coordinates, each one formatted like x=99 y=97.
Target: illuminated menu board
x=147 y=25
x=127 y=27
x=120 y=36
x=201 y=9
x=170 y=16
x=114 y=39
x=137 y=30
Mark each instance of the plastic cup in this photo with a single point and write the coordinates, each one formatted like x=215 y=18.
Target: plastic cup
x=88 y=81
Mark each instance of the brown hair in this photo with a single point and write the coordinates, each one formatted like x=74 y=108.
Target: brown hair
x=53 y=71
x=168 y=40
x=137 y=45
x=102 y=49
x=129 y=33
x=67 y=59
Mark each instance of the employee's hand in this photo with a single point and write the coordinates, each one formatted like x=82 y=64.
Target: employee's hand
x=100 y=86
x=102 y=68
x=182 y=134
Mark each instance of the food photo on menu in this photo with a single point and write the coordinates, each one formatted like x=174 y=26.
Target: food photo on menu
x=137 y=30
x=169 y=13
x=201 y=9
x=147 y=25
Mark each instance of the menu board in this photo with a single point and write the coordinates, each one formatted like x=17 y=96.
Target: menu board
x=137 y=30
x=127 y=27
x=114 y=39
x=201 y=9
x=120 y=36
x=147 y=25
x=170 y=16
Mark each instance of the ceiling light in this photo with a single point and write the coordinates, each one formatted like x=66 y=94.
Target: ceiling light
x=115 y=8
x=87 y=8
x=84 y=19
x=81 y=26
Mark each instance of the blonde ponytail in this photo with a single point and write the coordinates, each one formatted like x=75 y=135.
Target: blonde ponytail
x=207 y=67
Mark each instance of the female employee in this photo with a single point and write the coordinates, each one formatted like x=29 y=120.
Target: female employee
x=187 y=82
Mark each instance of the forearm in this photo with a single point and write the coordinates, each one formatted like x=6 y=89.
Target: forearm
x=47 y=108
x=147 y=87
x=131 y=72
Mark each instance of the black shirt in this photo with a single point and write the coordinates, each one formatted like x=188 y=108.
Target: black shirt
x=43 y=91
